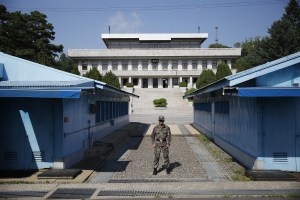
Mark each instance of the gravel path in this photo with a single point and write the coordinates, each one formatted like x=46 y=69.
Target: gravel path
x=184 y=164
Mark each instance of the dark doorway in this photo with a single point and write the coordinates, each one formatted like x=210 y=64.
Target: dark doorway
x=124 y=81
x=165 y=82
x=145 y=83
x=155 y=83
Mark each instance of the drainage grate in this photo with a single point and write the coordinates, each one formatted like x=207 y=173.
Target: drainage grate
x=156 y=193
x=22 y=194
x=159 y=180
x=72 y=193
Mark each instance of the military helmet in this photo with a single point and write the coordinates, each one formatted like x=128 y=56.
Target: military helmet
x=161 y=118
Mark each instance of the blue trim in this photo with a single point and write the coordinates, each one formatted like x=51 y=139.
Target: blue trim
x=40 y=93
x=269 y=92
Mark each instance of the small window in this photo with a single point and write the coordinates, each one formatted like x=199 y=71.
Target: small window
x=214 y=64
x=204 y=64
x=165 y=64
x=114 y=65
x=203 y=106
x=125 y=65
x=135 y=65
x=135 y=81
x=84 y=66
x=95 y=64
x=174 y=64
x=194 y=64
x=145 y=64
x=175 y=81
x=104 y=65
x=154 y=66
x=184 y=64
x=222 y=107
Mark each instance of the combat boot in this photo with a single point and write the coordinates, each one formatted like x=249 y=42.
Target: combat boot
x=155 y=171
x=168 y=170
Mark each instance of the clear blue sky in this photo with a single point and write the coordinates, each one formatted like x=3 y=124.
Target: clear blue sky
x=79 y=24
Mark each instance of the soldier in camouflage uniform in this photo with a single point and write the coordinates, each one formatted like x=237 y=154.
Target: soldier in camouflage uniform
x=161 y=139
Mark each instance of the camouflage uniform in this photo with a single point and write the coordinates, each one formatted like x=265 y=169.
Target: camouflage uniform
x=161 y=138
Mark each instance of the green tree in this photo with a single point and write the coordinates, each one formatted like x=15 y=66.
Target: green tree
x=223 y=70
x=218 y=46
x=93 y=74
x=206 y=77
x=111 y=79
x=283 y=40
x=28 y=36
x=66 y=64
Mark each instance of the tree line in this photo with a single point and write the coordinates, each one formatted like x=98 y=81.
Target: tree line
x=283 y=39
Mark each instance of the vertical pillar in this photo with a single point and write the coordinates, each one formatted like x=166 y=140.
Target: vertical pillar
x=140 y=83
x=170 y=84
x=120 y=81
x=129 y=65
x=180 y=79
x=150 y=83
x=190 y=85
x=129 y=79
x=160 y=83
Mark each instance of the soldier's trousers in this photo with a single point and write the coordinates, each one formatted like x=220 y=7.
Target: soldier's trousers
x=165 y=151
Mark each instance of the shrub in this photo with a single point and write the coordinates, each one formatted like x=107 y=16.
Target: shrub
x=162 y=102
x=128 y=84
x=223 y=70
x=111 y=79
x=93 y=74
x=189 y=91
x=182 y=84
x=206 y=77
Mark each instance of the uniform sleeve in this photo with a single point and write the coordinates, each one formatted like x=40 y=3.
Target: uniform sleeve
x=169 y=137
x=153 y=136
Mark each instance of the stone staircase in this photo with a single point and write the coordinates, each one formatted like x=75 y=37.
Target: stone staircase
x=176 y=104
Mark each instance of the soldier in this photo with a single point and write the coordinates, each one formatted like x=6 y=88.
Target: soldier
x=161 y=139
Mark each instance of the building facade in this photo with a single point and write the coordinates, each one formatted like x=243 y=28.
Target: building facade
x=50 y=117
x=255 y=115
x=154 y=60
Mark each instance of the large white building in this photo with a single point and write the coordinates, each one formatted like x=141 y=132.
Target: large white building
x=154 y=60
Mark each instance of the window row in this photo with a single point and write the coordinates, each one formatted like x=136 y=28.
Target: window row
x=145 y=64
x=220 y=107
x=108 y=110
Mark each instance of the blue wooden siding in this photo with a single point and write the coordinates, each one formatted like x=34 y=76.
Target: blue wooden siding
x=30 y=137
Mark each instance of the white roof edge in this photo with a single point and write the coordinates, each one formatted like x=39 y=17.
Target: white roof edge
x=154 y=36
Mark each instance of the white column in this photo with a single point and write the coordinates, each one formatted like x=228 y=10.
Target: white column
x=150 y=83
x=160 y=83
x=229 y=63
x=191 y=82
x=120 y=81
x=199 y=67
x=140 y=83
x=180 y=79
x=209 y=64
x=169 y=65
x=170 y=84
x=129 y=79
x=140 y=65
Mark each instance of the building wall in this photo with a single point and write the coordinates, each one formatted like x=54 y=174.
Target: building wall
x=81 y=128
x=31 y=133
x=177 y=67
x=234 y=124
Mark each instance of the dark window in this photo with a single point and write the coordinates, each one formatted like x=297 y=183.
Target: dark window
x=194 y=64
x=184 y=64
x=114 y=65
x=222 y=107
x=203 y=106
x=135 y=81
x=104 y=65
x=174 y=64
x=125 y=65
x=214 y=64
x=84 y=66
x=204 y=64
x=165 y=64
x=135 y=65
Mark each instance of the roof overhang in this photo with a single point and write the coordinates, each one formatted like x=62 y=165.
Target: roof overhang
x=262 y=91
x=41 y=93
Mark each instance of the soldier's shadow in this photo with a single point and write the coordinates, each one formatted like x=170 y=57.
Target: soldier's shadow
x=172 y=166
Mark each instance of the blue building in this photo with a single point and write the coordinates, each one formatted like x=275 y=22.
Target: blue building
x=255 y=115
x=50 y=117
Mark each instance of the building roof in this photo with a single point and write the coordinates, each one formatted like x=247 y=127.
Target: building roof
x=154 y=53
x=154 y=36
x=23 y=78
x=228 y=83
